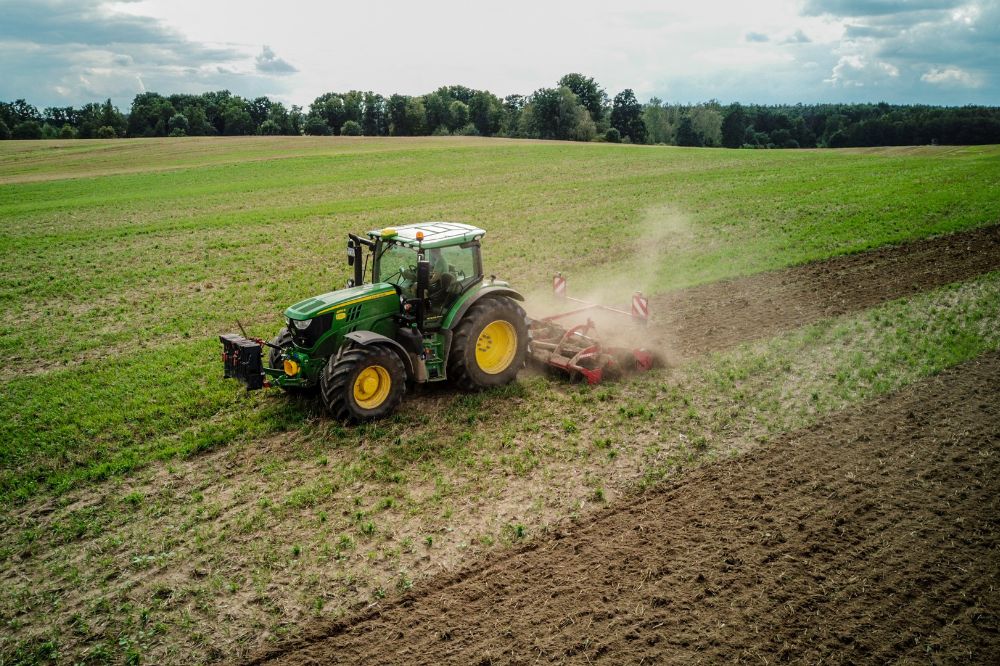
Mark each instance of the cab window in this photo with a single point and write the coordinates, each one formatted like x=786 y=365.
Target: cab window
x=398 y=265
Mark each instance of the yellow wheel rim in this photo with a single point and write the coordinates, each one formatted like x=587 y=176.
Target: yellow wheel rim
x=496 y=347
x=371 y=387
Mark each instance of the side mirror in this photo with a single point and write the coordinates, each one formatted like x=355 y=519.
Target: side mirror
x=350 y=253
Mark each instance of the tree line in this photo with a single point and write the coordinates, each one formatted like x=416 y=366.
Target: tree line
x=577 y=108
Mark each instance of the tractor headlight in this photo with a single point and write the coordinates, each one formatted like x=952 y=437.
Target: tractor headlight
x=301 y=324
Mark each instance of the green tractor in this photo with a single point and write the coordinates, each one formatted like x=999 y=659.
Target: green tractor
x=426 y=315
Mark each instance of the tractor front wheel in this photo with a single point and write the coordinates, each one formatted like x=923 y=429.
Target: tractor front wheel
x=490 y=344
x=363 y=383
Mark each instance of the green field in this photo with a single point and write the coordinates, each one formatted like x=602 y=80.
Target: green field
x=123 y=453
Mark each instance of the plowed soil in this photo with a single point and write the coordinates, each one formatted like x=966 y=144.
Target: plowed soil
x=724 y=314
x=871 y=537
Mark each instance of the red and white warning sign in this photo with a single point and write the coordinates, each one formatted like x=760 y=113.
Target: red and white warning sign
x=640 y=306
x=559 y=285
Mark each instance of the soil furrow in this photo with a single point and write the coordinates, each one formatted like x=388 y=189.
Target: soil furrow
x=724 y=314
x=870 y=537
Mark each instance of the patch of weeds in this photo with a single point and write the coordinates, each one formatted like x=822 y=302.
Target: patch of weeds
x=133 y=499
x=569 y=426
x=368 y=528
x=514 y=532
x=310 y=494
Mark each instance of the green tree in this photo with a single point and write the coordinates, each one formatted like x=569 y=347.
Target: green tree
x=436 y=110
x=591 y=96
x=686 y=136
x=198 y=124
x=67 y=132
x=613 y=135
x=396 y=112
x=296 y=120
x=734 y=126
x=106 y=132
x=416 y=118
x=237 y=120
x=270 y=128
x=373 y=120
x=626 y=116
x=259 y=110
x=149 y=115
x=29 y=129
x=510 y=119
x=556 y=113
x=329 y=107
x=316 y=126
x=58 y=116
x=458 y=115
x=354 y=103
x=706 y=120
x=659 y=121
x=179 y=125
x=4 y=131
x=350 y=128
x=485 y=112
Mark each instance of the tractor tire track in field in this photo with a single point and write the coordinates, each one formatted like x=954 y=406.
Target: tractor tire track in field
x=869 y=537
x=721 y=315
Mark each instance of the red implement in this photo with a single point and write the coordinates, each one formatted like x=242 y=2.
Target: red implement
x=577 y=352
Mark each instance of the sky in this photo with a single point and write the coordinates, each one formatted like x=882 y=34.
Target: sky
x=69 y=52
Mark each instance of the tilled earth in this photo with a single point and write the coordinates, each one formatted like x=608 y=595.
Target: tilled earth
x=871 y=537
x=724 y=314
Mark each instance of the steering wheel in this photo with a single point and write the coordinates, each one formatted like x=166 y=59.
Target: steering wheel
x=409 y=273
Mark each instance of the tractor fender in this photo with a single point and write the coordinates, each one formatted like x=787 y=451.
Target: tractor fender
x=488 y=291
x=369 y=338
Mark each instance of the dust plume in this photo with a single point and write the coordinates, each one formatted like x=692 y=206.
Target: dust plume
x=659 y=238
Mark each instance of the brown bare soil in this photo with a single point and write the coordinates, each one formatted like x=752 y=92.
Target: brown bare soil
x=724 y=314
x=871 y=537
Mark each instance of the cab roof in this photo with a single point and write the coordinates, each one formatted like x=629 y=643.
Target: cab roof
x=436 y=234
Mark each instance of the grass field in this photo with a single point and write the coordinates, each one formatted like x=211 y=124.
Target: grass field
x=123 y=260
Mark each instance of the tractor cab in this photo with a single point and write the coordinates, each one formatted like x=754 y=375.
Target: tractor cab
x=449 y=251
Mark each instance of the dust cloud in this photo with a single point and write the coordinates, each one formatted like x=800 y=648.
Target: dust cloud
x=662 y=234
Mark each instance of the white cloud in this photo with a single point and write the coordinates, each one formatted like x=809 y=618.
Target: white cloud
x=767 y=51
x=856 y=70
x=951 y=76
x=268 y=62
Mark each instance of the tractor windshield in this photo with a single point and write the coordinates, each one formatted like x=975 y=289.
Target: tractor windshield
x=398 y=265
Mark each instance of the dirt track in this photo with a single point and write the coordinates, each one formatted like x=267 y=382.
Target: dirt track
x=723 y=314
x=870 y=537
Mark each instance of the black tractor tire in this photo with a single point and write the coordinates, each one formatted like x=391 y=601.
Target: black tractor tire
x=363 y=383
x=493 y=365
x=284 y=339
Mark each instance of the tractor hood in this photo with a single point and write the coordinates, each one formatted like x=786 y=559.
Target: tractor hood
x=324 y=303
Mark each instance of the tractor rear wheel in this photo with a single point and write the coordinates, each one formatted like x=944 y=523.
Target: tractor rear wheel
x=490 y=344
x=363 y=383
x=283 y=340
